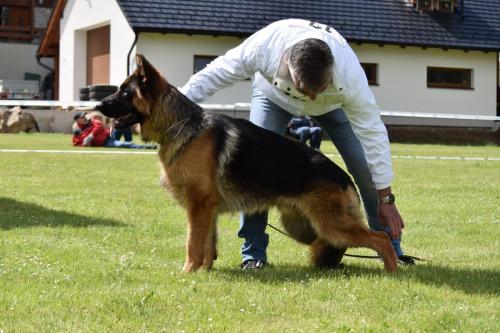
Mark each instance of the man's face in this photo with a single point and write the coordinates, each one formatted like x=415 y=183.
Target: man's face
x=82 y=121
x=306 y=91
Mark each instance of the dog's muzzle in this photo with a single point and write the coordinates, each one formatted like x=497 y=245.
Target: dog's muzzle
x=106 y=109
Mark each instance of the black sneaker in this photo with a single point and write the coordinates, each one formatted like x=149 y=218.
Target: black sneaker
x=406 y=260
x=253 y=264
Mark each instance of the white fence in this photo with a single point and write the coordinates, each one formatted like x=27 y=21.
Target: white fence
x=51 y=119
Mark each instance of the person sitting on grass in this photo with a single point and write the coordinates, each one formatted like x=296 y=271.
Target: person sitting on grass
x=303 y=128
x=91 y=132
x=117 y=133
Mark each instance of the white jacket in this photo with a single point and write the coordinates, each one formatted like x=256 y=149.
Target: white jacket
x=261 y=53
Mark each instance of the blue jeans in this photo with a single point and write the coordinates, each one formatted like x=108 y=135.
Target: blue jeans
x=126 y=132
x=112 y=143
x=313 y=134
x=268 y=115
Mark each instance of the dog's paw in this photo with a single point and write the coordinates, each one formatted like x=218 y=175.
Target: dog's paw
x=189 y=267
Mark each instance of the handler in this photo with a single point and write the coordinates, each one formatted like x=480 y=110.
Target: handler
x=307 y=68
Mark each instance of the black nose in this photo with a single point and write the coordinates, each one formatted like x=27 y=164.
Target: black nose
x=105 y=108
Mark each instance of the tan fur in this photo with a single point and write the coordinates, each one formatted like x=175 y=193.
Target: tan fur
x=192 y=182
x=336 y=218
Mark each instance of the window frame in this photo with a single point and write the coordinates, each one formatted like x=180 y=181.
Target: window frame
x=443 y=85
x=210 y=58
x=374 y=70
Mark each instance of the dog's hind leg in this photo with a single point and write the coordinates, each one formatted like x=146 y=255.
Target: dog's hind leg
x=360 y=236
x=298 y=226
x=336 y=218
x=325 y=255
x=201 y=232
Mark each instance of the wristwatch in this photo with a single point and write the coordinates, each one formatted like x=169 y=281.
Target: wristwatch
x=387 y=200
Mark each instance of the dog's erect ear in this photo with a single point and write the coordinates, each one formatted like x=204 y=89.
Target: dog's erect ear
x=139 y=61
x=150 y=80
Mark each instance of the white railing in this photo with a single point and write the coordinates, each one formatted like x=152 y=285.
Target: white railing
x=239 y=107
x=438 y=115
x=47 y=104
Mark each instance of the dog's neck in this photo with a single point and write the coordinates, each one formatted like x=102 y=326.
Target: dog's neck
x=174 y=121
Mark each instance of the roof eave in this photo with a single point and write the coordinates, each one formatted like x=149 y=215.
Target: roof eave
x=191 y=32
x=426 y=45
x=44 y=49
x=351 y=40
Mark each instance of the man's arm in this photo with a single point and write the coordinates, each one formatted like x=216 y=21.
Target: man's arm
x=236 y=65
x=364 y=116
x=87 y=141
x=99 y=133
x=294 y=122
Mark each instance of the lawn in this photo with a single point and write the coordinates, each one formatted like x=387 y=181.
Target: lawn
x=91 y=243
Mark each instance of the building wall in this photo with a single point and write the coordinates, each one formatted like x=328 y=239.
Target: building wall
x=403 y=79
x=402 y=71
x=19 y=58
x=173 y=55
x=80 y=16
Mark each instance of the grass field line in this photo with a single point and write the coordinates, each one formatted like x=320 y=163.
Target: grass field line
x=454 y=158
x=53 y=151
x=134 y=152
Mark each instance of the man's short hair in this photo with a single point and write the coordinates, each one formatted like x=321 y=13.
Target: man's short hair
x=312 y=62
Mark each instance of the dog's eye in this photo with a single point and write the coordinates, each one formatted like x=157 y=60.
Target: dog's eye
x=124 y=94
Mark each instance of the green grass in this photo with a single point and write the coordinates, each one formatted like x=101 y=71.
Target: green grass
x=91 y=243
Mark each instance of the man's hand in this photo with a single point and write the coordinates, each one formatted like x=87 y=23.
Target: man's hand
x=112 y=126
x=88 y=140
x=390 y=217
x=76 y=129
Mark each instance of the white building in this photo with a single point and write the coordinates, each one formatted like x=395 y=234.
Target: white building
x=440 y=61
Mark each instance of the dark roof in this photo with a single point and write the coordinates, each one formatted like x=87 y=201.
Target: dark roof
x=370 y=21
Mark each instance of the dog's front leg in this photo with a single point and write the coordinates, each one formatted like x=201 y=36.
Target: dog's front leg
x=210 y=246
x=201 y=211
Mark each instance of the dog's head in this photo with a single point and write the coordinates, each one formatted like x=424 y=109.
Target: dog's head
x=137 y=95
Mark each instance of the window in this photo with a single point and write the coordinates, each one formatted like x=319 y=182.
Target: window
x=3 y=15
x=201 y=61
x=424 y=4
x=371 y=71
x=17 y=16
x=45 y=3
x=444 y=6
x=454 y=78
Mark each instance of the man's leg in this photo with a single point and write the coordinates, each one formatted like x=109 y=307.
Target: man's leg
x=303 y=133
x=253 y=230
x=111 y=142
x=117 y=134
x=129 y=144
x=316 y=133
x=268 y=115
x=127 y=133
x=339 y=129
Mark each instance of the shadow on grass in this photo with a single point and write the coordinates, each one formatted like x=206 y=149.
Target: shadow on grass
x=472 y=281
x=16 y=214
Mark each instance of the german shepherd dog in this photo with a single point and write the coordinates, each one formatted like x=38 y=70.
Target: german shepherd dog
x=213 y=164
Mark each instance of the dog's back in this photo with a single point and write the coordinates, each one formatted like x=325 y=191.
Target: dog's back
x=258 y=167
